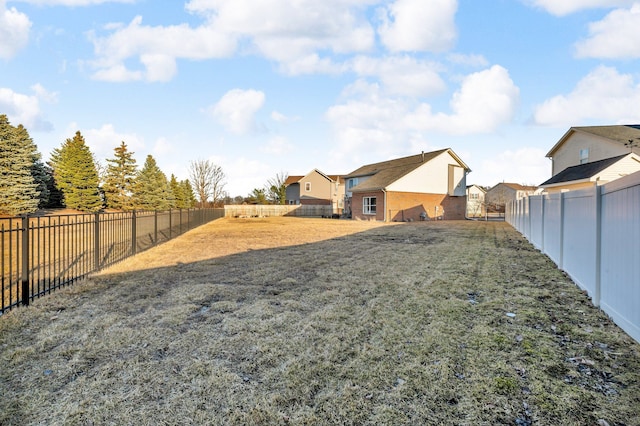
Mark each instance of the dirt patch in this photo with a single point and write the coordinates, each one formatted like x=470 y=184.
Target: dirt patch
x=311 y=321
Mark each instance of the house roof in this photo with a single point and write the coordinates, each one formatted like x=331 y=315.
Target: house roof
x=292 y=179
x=386 y=172
x=517 y=186
x=296 y=179
x=582 y=171
x=623 y=134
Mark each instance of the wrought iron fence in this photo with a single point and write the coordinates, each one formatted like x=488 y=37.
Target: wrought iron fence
x=41 y=254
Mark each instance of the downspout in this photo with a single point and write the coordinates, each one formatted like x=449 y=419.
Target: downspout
x=384 y=211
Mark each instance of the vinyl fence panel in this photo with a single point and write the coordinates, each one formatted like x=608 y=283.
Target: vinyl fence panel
x=552 y=221
x=579 y=254
x=620 y=267
x=594 y=236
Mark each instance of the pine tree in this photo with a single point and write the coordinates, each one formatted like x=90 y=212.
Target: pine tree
x=38 y=168
x=119 y=179
x=76 y=176
x=151 y=191
x=188 y=194
x=18 y=189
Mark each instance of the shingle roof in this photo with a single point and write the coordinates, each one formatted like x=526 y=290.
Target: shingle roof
x=292 y=179
x=618 y=133
x=519 y=187
x=583 y=171
x=386 y=172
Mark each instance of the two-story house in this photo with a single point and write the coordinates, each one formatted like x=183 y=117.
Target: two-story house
x=593 y=155
x=429 y=185
x=475 y=201
x=316 y=188
x=499 y=195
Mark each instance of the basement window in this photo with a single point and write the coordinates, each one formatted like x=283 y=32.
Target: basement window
x=369 y=205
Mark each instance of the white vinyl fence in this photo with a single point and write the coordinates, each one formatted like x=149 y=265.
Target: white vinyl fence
x=594 y=236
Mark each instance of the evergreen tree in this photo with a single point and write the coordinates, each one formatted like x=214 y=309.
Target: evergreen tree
x=76 y=176
x=151 y=191
x=54 y=200
x=18 y=189
x=176 y=189
x=38 y=169
x=188 y=194
x=119 y=179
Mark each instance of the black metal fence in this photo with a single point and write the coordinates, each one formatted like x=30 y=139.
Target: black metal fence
x=41 y=254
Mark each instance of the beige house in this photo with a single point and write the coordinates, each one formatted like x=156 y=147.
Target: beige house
x=316 y=188
x=426 y=186
x=475 y=201
x=497 y=197
x=580 y=145
x=593 y=155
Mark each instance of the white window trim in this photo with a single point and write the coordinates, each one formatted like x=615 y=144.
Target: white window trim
x=367 y=205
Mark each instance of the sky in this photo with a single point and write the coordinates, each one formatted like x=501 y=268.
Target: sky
x=264 y=87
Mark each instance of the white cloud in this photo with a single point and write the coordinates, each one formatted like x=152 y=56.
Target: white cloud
x=526 y=166
x=237 y=108
x=402 y=75
x=14 y=31
x=417 y=25
x=566 y=7
x=25 y=109
x=368 y=121
x=278 y=145
x=292 y=34
x=44 y=94
x=468 y=60
x=156 y=48
x=104 y=140
x=615 y=36
x=485 y=100
x=604 y=95
x=281 y=118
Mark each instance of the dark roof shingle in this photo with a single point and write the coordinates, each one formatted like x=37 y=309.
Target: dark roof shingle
x=582 y=171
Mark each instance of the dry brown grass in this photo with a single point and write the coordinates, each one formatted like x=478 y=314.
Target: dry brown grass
x=305 y=321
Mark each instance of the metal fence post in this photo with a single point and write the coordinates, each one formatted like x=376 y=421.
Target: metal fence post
x=25 y=260
x=96 y=241
x=170 y=223
x=155 y=227
x=134 y=232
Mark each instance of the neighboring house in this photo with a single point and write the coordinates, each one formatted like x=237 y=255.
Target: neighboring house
x=497 y=197
x=593 y=155
x=592 y=173
x=316 y=188
x=430 y=185
x=580 y=145
x=475 y=201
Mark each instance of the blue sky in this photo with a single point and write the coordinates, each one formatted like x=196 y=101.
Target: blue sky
x=261 y=87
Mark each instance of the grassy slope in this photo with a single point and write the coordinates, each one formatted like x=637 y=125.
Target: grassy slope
x=361 y=324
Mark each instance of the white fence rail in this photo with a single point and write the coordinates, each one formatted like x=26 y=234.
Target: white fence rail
x=594 y=236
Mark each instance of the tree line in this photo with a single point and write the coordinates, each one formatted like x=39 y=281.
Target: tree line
x=73 y=179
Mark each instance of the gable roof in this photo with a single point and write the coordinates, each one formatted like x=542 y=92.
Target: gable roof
x=386 y=172
x=623 y=134
x=582 y=171
x=296 y=179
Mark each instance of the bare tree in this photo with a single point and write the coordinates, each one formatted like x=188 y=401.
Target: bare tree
x=208 y=181
x=276 y=189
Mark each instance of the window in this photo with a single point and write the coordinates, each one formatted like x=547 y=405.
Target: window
x=369 y=205
x=584 y=156
x=474 y=196
x=307 y=186
x=353 y=182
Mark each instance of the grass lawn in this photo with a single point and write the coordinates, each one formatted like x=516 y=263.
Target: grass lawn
x=317 y=321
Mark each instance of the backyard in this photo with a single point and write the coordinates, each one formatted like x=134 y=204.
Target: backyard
x=318 y=321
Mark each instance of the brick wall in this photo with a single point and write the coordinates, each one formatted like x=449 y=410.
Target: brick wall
x=402 y=206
